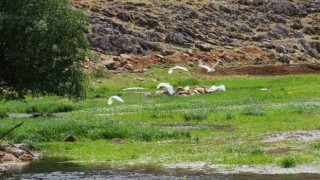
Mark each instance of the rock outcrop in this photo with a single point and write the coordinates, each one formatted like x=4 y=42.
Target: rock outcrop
x=158 y=26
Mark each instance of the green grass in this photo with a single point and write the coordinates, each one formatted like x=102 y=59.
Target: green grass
x=195 y=115
x=218 y=128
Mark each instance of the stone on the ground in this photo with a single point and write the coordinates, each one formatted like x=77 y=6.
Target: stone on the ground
x=8 y=158
x=70 y=139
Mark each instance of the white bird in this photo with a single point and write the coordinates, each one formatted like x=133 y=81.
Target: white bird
x=209 y=69
x=110 y=100
x=177 y=67
x=217 y=88
x=133 y=88
x=167 y=86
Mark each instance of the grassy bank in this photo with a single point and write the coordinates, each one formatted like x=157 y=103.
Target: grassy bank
x=229 y=127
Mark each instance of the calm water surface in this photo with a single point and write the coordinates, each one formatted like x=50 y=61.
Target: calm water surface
x=63 y=169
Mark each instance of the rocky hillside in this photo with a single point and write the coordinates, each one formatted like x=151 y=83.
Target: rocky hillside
x=234 y=31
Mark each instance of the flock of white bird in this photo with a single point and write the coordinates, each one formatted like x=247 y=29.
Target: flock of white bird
x=169 y=87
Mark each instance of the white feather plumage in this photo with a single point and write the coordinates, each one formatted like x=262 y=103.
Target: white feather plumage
x=167 y=86
x=110 y=100
x=177 y=67
x=210 y=69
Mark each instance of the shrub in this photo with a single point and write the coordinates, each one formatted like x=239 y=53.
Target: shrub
x=3 y=114
x=230 y=116
x=32 y=110
x=288 y=161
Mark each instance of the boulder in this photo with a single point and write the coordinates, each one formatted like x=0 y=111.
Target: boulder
x=107 y=63
x=14 y=151
x=178 y=39
x=8 y=158
x=125 y=56
x=25 y=157
x=288 y=8
x=124 y=16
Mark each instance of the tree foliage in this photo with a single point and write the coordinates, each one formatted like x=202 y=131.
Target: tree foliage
x=42 y=48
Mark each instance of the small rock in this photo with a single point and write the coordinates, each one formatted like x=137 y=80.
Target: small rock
x=70 y=139
x=25 y=157
x=125 y=56
x=8 y=157
x=159 y=56
x=139 y=79
x=2 y=154
x=186 y=55
x=204 y=46
x=129 y=67
x=190 y=51
x=107 y=62
x=168 y=52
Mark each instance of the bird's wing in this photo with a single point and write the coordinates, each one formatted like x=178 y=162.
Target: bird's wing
x=167 y=86
x=205 y=66
x=213 y=88
x=170 y=89
x=118 y=98
x=110 y=100
x=222 y=88
x=181 y=68
x=161 y=85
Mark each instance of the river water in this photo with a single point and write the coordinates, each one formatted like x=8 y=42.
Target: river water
x=64 y=169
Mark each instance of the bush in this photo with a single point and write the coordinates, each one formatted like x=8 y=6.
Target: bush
x=195 y=115
x=3 y=114
x=287 y=162
x=32 y=110
x=230 y=116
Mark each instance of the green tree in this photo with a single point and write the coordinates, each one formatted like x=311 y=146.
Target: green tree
x=42 y=48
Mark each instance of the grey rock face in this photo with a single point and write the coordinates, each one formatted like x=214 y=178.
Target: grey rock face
x=288 y=8
x=178 y=38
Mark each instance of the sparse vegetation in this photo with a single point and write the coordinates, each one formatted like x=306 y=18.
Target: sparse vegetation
x=195 y=115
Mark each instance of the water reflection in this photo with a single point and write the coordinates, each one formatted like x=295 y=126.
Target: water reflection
x=57 y=168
